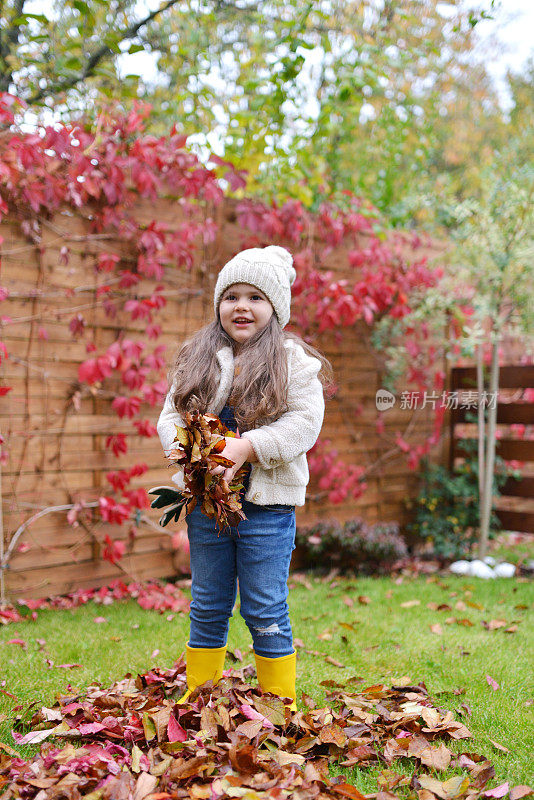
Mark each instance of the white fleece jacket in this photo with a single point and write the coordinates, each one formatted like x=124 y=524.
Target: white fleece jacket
x=281 y=472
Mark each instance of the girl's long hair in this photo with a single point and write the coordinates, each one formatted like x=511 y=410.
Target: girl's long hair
x=259 y=391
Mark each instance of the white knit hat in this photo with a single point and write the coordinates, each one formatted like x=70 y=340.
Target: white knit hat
x=270 y=269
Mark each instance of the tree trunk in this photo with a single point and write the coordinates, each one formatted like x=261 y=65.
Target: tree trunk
x=480 y=427
x=485 y=511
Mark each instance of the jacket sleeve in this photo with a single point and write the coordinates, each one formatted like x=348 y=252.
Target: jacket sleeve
x=168 y=418
x=296 y=431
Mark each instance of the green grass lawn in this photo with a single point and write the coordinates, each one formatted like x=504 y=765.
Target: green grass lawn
x=360 y=623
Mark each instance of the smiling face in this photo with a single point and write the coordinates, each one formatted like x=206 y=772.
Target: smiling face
x=244 y=311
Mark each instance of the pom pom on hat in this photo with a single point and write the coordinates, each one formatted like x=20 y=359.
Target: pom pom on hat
x=270 y=269
x=281 y=255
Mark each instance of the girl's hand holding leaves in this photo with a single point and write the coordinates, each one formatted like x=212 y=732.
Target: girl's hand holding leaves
x=198 y=451
x=237 y=451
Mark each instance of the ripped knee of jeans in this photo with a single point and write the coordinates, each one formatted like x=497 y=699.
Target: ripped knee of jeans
x=267 y=630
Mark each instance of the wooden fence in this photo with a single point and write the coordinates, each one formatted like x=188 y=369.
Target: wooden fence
x=515 y=506
x=55 y=433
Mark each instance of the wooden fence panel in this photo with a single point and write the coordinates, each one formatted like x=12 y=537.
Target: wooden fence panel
x=515 y=505
x=56 y=439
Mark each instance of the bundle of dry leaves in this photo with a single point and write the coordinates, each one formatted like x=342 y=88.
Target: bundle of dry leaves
x=198 y=450
x=134 y=741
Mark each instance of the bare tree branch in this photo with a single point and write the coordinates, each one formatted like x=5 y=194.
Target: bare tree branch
x=96 y=57
x=9 y=39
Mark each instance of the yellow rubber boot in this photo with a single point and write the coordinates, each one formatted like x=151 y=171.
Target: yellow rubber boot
x=202 y=664
x=278 y=675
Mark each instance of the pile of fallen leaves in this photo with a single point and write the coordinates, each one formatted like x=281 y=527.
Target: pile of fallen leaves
x=155 y=595
x=199 y=446
x=133 y=740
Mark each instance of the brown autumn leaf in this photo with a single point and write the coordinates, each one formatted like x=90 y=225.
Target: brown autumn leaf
x=416 y=745
x=396 y=748
x=386 y=796
x=424 y=794
x=160 y=720
x=432 y=717
x=334 y=663
x=410 y=604
x=308 y=701
x=144 y=786
x=332 y=734
x=250 y=728
x=209 y=720
x=348 y=600
x=347 y=625
x=481 y=772
x=458 y=731
x=439 y=606
x=465 y=622
x=494 y=624
x=436 y=757
x=517 y=792
x=447 y=790
x=364 y=752
x=346 y=790
x=244 y=759
x=500 y=747
x=283 y=758
x=8 y=749
x=363 y=600
x=437 y=629
x=325 y=636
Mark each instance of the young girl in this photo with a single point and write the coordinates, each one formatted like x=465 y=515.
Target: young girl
x=265 y=384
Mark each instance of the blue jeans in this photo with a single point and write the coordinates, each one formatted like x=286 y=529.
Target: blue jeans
x=257 y=554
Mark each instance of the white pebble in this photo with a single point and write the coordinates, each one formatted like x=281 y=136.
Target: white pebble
x=460 y=567
x=478 y=569
x=505 y=570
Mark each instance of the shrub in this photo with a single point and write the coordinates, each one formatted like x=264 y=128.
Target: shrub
x=446 y=510
x=352 y=546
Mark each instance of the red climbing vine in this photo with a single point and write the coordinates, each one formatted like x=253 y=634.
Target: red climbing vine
x=101 y=173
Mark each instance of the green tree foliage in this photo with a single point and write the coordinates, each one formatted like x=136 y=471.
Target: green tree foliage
x=377 y=96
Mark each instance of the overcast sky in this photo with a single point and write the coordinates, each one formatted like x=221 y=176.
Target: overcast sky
x=514 y=27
